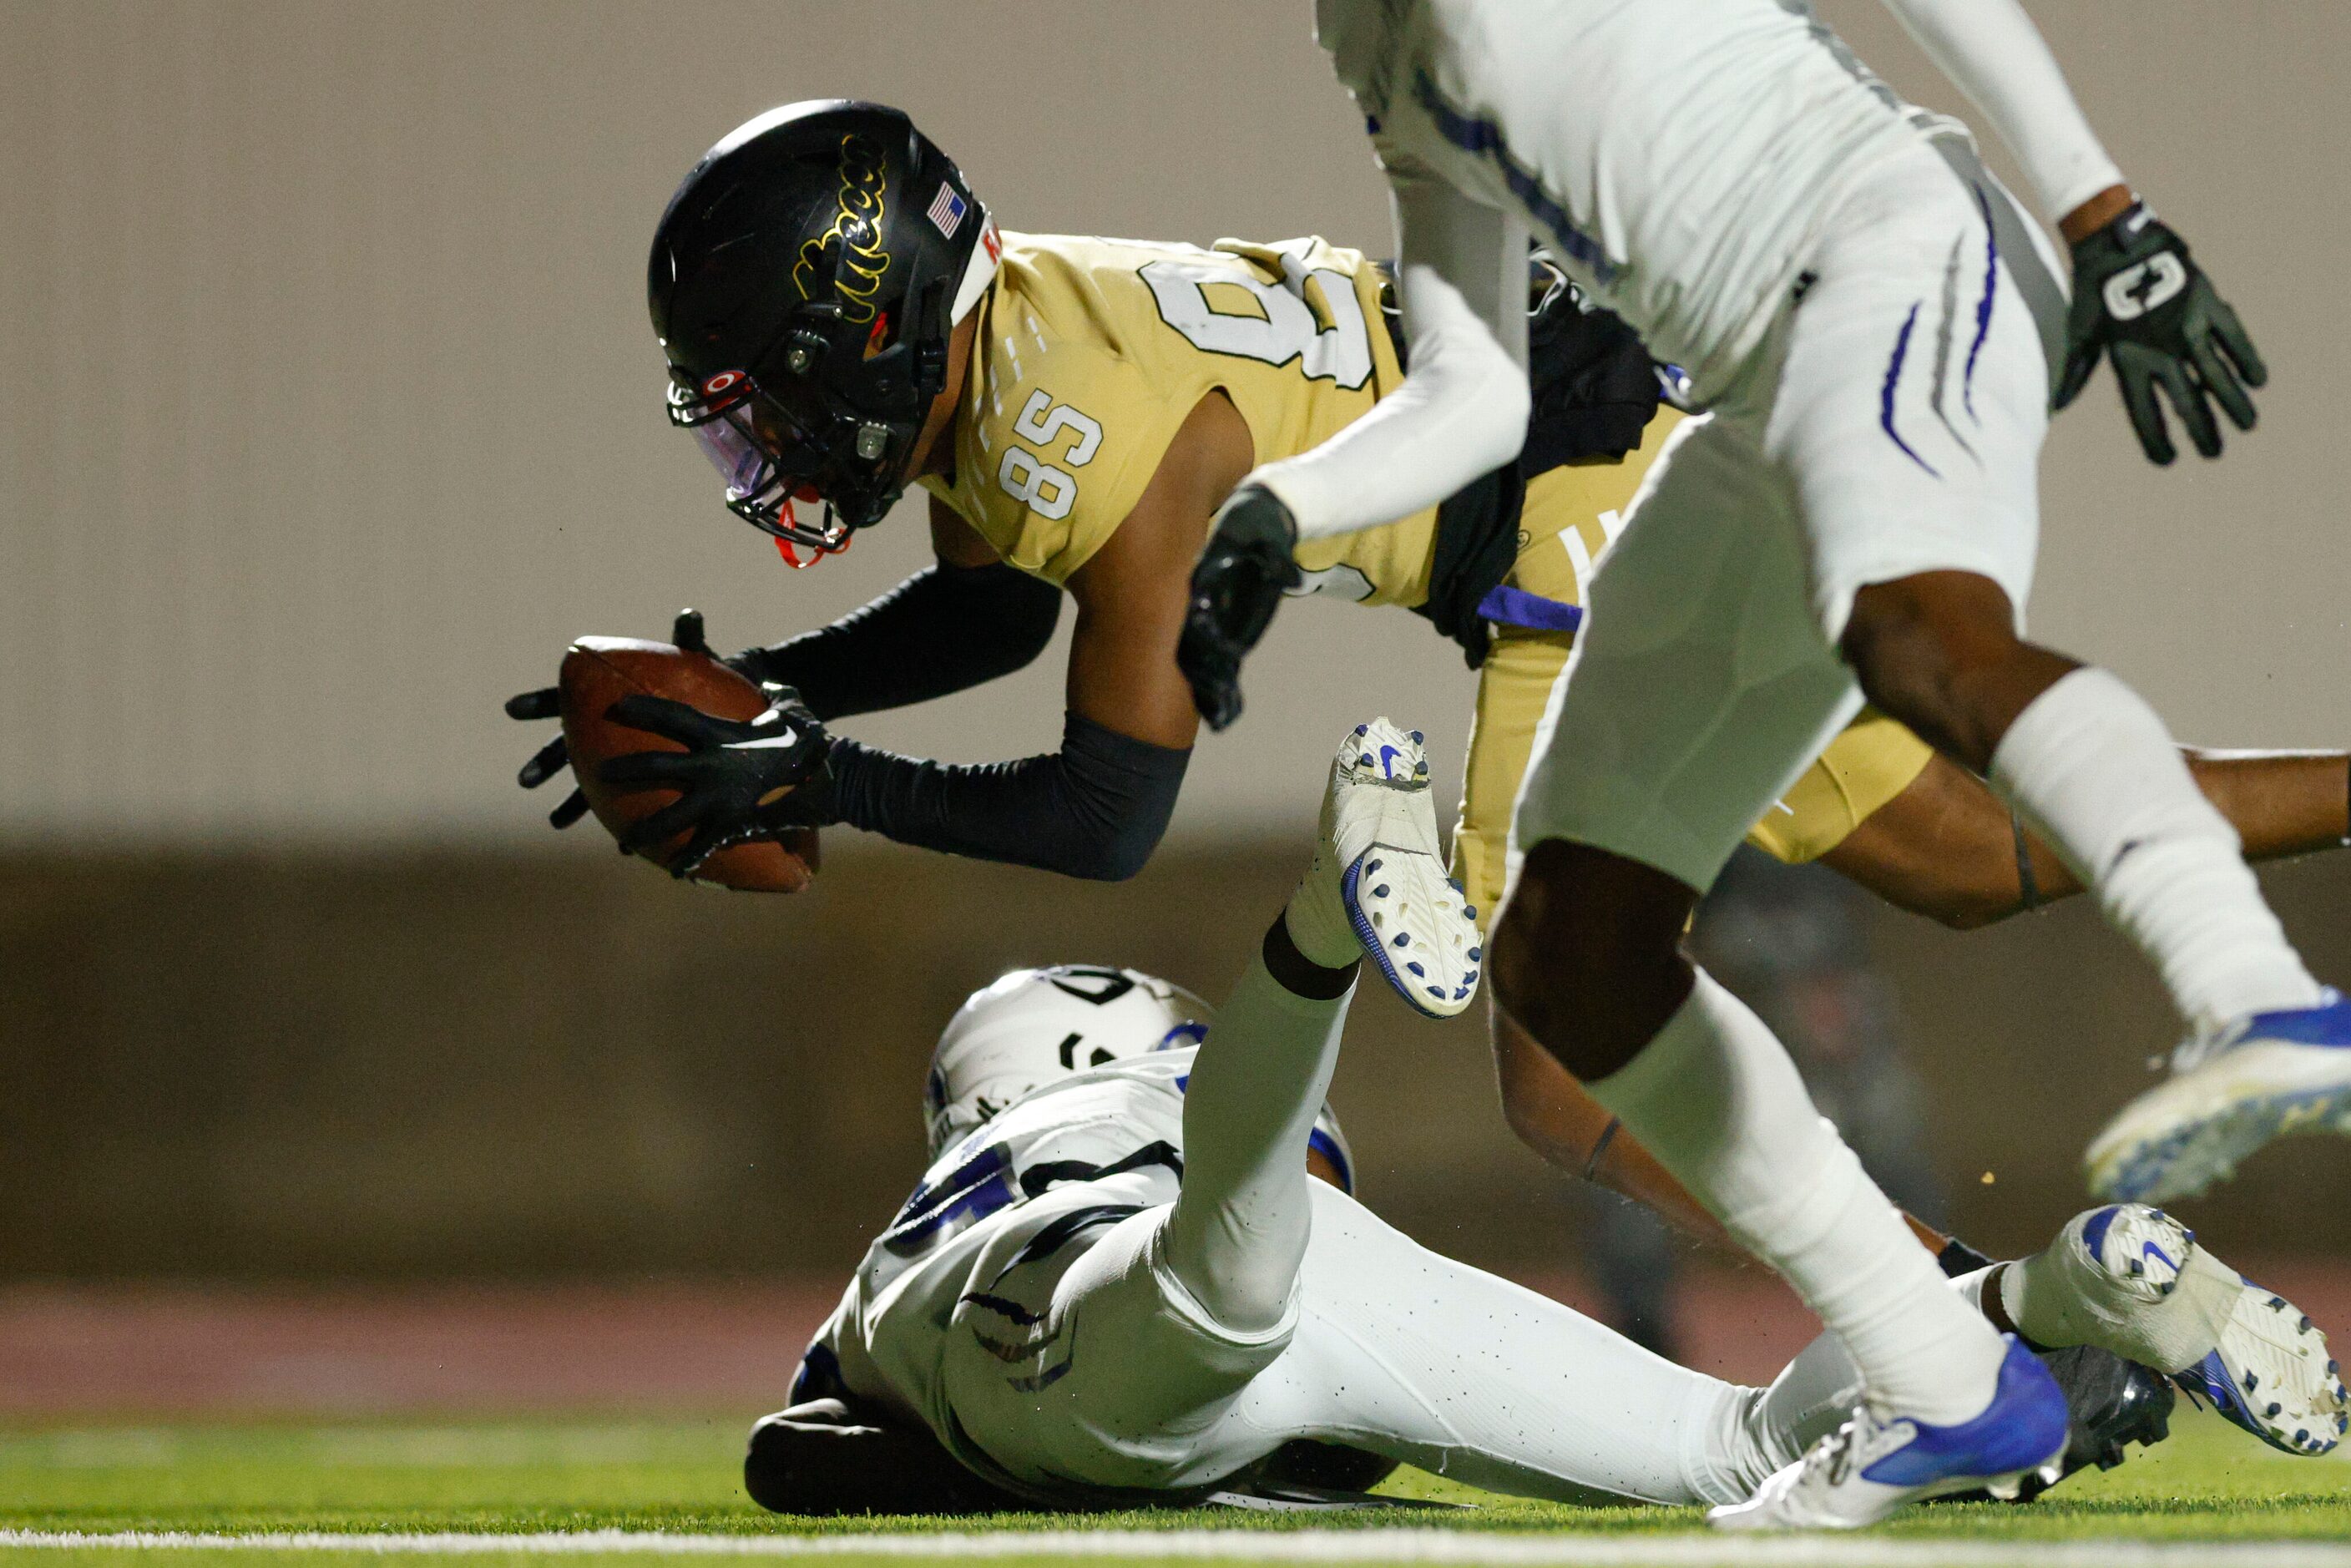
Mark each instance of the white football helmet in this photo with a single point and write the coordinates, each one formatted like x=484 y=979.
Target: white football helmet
x=1034 y=1025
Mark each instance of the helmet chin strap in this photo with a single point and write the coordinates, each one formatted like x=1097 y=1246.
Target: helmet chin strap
x=785 y=548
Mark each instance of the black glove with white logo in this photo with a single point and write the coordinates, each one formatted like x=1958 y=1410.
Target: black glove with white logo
x=547 y=701
x=738 y=782
x=2137 y=293
x=1236 y=588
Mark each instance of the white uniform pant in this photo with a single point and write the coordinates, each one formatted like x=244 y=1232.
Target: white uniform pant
x=1086 y=1370
x=1391 y=1348
x=1889 y=424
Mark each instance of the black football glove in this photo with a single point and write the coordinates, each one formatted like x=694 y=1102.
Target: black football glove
x=738 y=782
x=546 y=703
x=2137 y=293
x=1236 y=588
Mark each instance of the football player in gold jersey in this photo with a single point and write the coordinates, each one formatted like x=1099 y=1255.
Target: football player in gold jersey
x=841 y=318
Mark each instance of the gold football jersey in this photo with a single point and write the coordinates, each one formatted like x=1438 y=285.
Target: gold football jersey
x=1090 y=354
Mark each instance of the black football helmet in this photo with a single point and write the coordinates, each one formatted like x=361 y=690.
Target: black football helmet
x=804 y=282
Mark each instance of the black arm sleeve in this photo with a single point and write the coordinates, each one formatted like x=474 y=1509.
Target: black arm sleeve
x=1095 y=808
x=944 y=630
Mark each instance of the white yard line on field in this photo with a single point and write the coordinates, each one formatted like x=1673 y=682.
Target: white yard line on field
x=1562 y=1549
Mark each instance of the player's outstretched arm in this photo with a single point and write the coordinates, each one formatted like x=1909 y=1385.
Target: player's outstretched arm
x=968 y=620
x=1460 y=413
x=1097 y=807
x=1948 y=848
x=962 y=622
x=2139 y=297
x=1992 y=51
x=1462 y=409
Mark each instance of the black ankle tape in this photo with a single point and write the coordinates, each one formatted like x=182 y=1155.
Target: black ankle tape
x=1296 y=972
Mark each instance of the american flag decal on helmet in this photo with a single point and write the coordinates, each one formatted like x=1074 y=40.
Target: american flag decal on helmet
x=947 y=210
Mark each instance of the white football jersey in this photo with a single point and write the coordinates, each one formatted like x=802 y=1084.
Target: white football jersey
x=1083 y=1152
x=1677 y=155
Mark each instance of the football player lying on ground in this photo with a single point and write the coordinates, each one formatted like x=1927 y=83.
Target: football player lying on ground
x=1116 y=1285
x=1077 y=409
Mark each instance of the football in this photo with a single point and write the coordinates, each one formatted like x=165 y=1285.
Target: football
x=599 y=672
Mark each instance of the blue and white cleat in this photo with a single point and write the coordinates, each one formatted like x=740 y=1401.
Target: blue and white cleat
x=2229 y=1094
x=1379 y=830
x=2140 y=1285
x=2272 y=1375
x=2134 y=1280
x=1873 y=1464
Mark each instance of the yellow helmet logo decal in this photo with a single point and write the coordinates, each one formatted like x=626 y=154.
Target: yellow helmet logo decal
x=861 y=205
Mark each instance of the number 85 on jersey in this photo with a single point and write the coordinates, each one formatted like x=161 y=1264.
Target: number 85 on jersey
x=1028 y=478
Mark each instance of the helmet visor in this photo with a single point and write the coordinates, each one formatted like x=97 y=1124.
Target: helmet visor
x=750 y=471
x=753 y=441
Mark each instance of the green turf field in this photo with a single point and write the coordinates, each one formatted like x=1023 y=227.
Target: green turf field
x=677 y=1476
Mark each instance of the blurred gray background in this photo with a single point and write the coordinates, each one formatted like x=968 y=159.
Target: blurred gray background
x=333 y=415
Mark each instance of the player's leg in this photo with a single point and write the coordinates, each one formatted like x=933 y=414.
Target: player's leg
x=1234 y=1240
x=1698 y=695
x=1377 y=888
x=1917 y=481
x=1444 y=1367
x=1700 y=692
x=1412 y=1355
x=1570 y=518
x=1544 y=1106
x=1949 y=849
x=2135 y=1282
x=1871 y=761
x=2091 y=766
x=1513 y=689
x=1171 y=1312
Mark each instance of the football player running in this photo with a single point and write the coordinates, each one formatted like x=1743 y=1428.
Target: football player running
x=1876 y=328
x=1116 y=1284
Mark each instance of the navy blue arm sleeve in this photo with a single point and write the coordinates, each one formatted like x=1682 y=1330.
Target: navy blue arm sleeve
x=1095 y=808
x=944 y=630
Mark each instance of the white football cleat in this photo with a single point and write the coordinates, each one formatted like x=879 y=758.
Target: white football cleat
x=1875 y=1464
x=1379 y=832
x=2229 y=1094
x=2145 y=1289
x=2132 y=1280
x=2269 y=1372
x=2272 y=1375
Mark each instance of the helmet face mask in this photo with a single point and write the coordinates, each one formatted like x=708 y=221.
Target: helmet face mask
x=749 y=437
x=805 y=295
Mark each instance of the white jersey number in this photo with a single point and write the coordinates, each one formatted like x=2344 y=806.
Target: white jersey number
x=1290 y=327
x=1028 y=478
